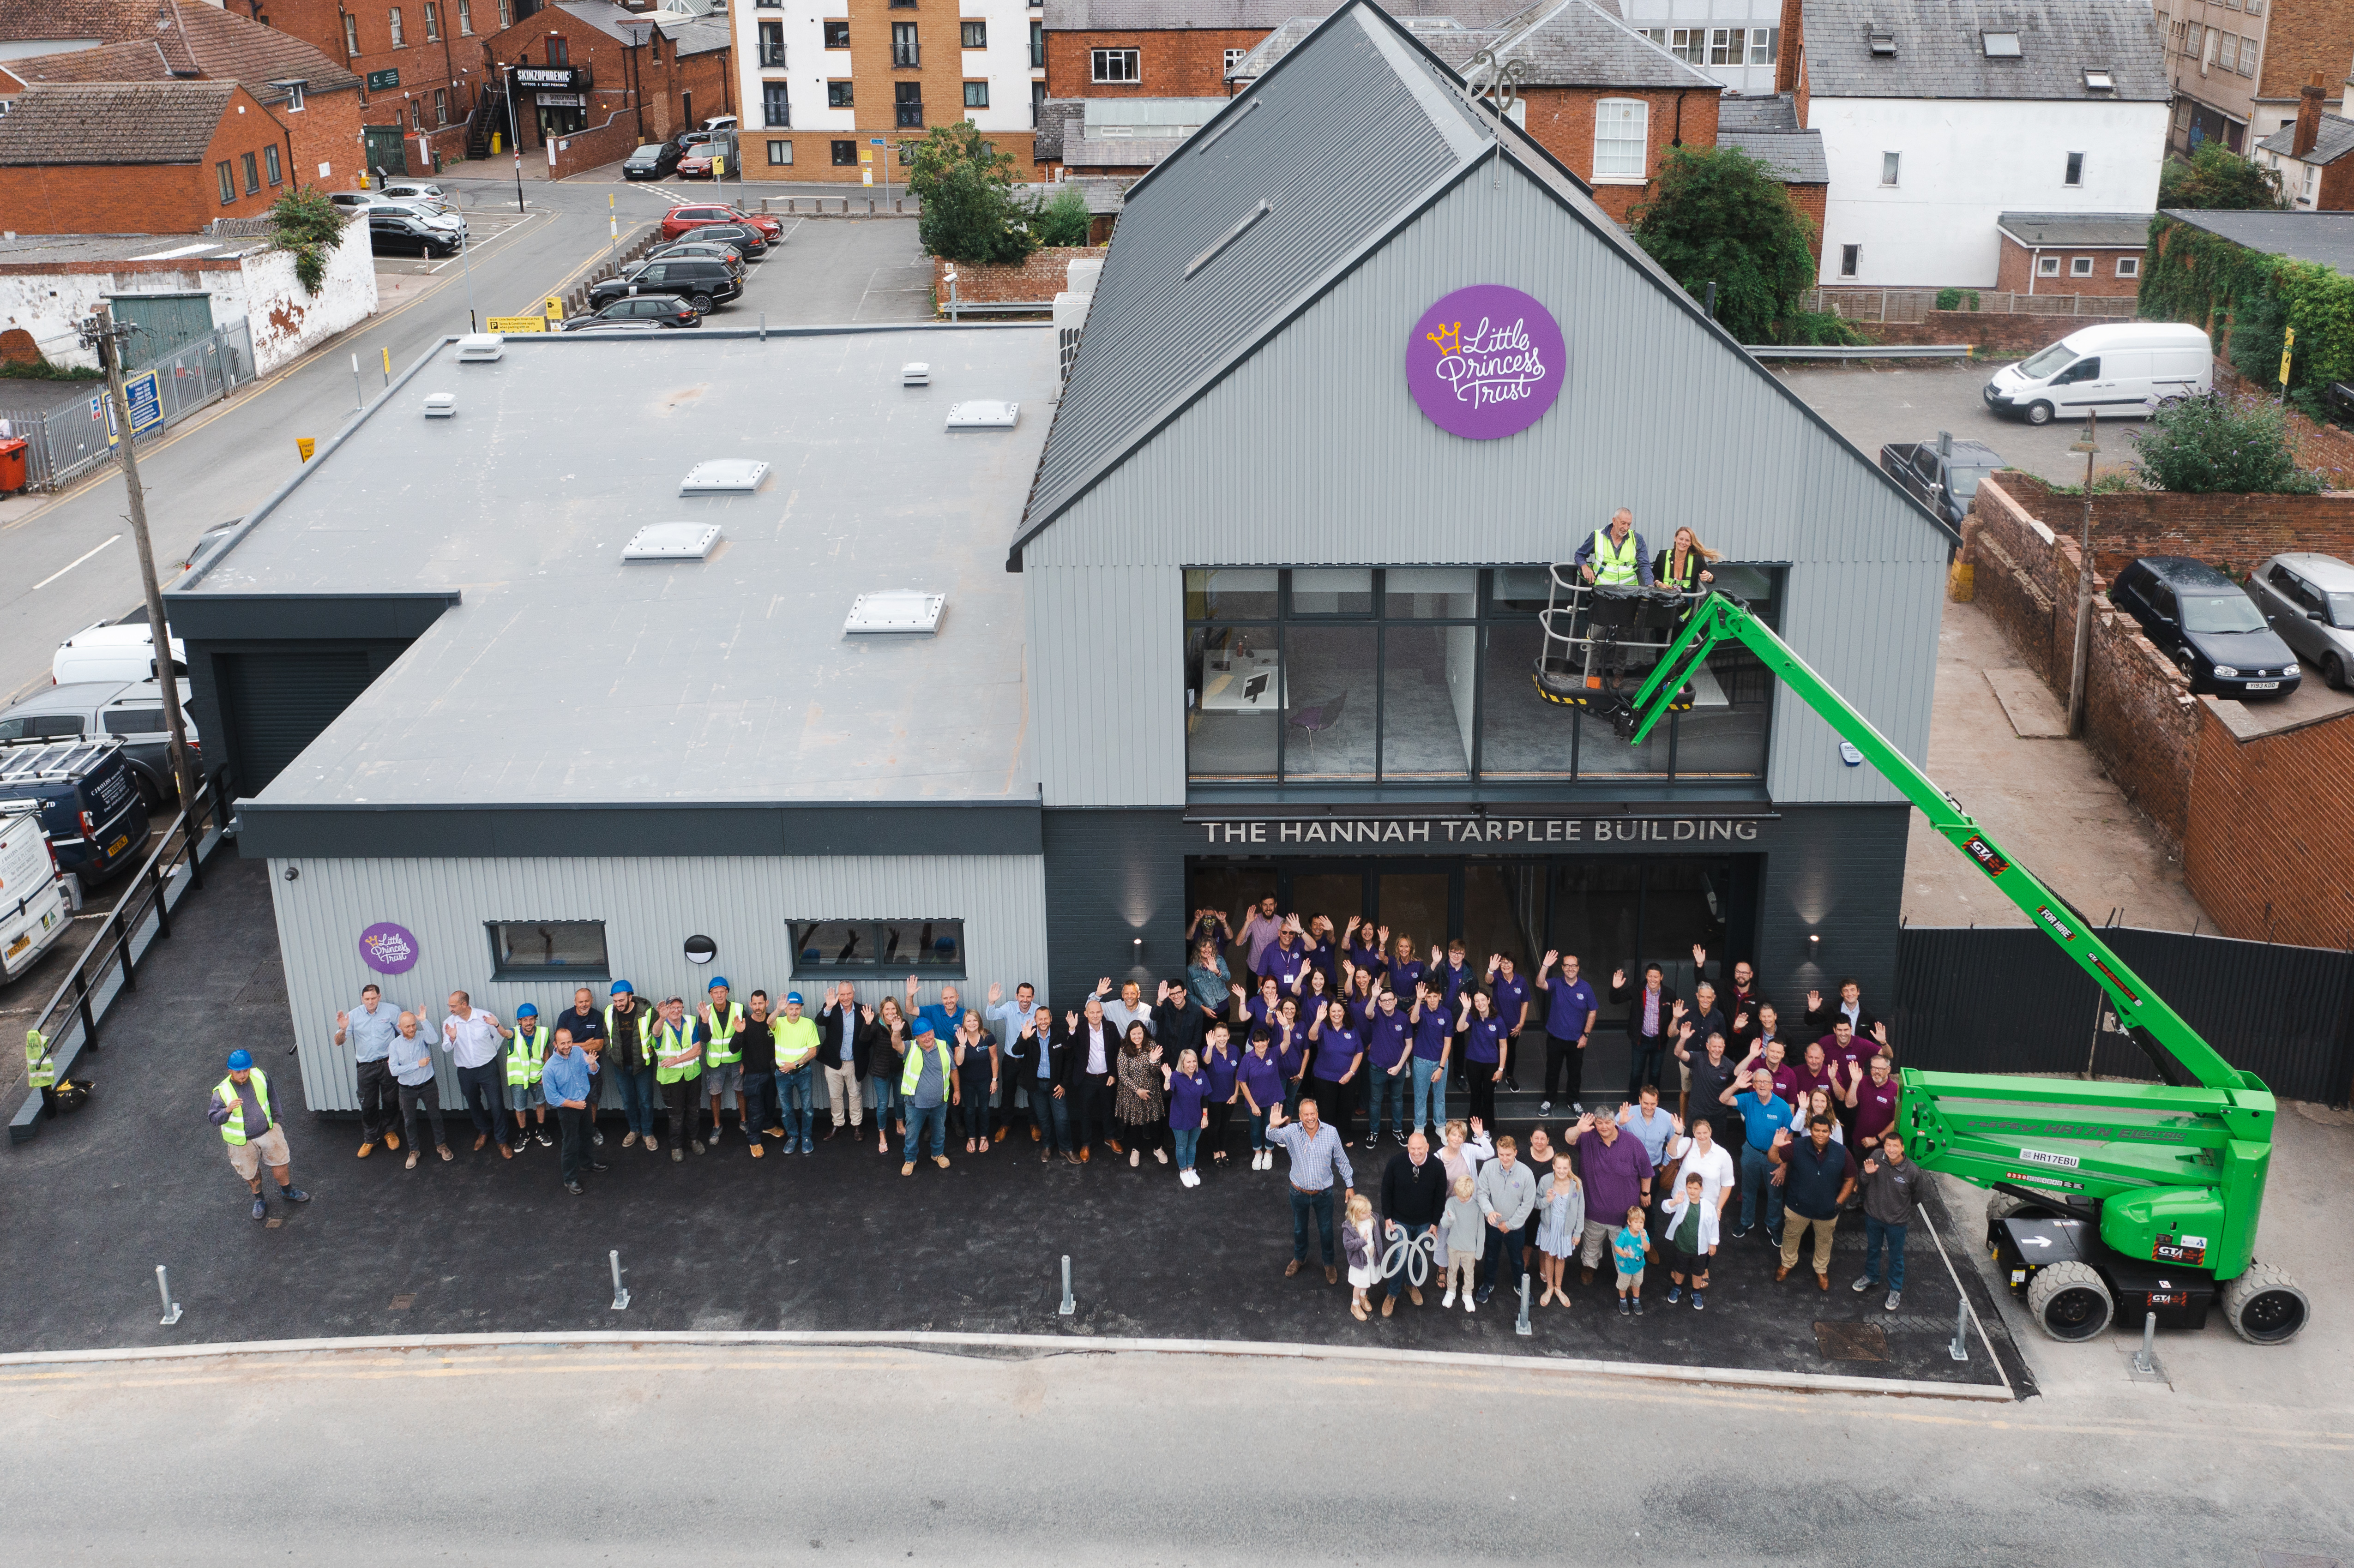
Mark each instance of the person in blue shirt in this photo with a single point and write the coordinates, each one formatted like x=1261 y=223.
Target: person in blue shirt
x=1570 y=1014
x=946 y=1015
x=1386 y=1033
x=1340 y=1052
x=567 y=1082
x=1763 y=1113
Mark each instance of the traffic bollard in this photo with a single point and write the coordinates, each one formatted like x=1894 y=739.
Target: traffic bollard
x=163 y=1287
x=2142 y=1362
x=1070 y=1305
x=1522 y=1325
x=621 y=1295
x=1959 y=1350
x=359 y=400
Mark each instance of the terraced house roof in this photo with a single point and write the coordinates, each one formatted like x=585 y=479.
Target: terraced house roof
x=113 y=122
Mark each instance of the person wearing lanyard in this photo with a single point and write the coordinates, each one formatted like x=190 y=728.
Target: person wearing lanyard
x=472 y=1037
x=1340 y=1052
x=370 y=1030
x=1223 y=1068
x=1388 y=1078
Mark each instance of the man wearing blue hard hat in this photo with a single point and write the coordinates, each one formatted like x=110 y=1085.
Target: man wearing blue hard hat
x=241 y=1108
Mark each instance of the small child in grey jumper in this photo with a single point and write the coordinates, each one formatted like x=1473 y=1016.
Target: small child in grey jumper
x=1467 y=1238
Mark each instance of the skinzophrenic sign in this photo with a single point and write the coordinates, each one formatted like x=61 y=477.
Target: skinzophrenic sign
x=1486 y=361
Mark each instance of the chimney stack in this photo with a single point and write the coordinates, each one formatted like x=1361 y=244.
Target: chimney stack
x=2309 y=99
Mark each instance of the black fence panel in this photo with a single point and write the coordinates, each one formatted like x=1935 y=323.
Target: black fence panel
x=2007 y=1000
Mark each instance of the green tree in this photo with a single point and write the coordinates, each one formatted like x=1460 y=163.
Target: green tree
x=2218 y=177
x=1720 y=216
x=2213 y=443
x=972 y=211
x=1063 y=220
x=308 y=224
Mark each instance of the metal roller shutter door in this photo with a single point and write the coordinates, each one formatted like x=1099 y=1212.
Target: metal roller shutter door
x=278 y=704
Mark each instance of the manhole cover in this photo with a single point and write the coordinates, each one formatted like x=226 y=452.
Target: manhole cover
x=403 y=1303
x=1851 y=1342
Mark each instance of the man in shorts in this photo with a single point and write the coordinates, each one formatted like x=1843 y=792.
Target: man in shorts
x=241 y=1108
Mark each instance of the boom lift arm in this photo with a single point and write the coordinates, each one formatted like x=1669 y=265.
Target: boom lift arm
x=2178 y=1168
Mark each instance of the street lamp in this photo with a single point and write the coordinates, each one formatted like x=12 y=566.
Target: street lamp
x=515 y=138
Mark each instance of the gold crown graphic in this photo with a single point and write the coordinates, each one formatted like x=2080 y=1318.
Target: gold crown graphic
x=1450 y=338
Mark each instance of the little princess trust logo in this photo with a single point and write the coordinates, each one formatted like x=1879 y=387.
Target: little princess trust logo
x=387 y=948
x=1486 y=361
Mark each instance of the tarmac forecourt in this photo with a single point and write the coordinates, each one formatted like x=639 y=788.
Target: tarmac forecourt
x=831 y=1248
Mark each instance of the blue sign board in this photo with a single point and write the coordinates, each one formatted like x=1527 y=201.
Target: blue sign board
x=146 y=402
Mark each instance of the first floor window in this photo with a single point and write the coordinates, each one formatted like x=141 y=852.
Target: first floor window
x=1234 y=60
x=441 y=106
x=2226 y=53
x=1725 y=45
x=776 y=106
x=392 y=21
x=252 y=175
x=350 y=33
x=506 y=15
x=851 y=949
x=1851 y=257
x=779 y=153
x=837 y=95
x=837 y=35
x=228 y=178
x=1621 y=136
x=1764 y=46
x=2128 y=266
x=2080 y=266
x=976 y=95
x=1113 y=64
x=2076 y=175
x=845 y=155
x=269 y=163
x=907 y=104
x=523 y=949
x=2047 y=266
x=465 y=19
x=975 y=33
x=432 y=22
x=2247 y=56
x=1889 y=163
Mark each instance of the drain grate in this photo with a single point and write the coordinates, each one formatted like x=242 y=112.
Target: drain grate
x=403 y=1303
x=1851 y=1342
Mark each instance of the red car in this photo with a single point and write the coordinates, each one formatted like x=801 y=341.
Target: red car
x=695 y=164
x=691 y=216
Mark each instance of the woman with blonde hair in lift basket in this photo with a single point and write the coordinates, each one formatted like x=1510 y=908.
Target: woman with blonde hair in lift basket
x=1683 y=565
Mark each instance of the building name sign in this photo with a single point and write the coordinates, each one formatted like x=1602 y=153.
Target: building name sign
x=1486 y=361
x=380 y=80
x=543 y=76
x=389 y=949
x=1507 y=832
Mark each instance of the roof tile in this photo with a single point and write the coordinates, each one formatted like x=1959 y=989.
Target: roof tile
x=1941 y=50
x=113 y=122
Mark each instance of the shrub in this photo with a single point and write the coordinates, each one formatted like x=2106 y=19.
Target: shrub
x=971 y=212
x=1949 y=299
x=306 y=223
x=2213 y=443
x=2217 y=177
x=42 y=370
x=1063 y=220
x=1721 y=216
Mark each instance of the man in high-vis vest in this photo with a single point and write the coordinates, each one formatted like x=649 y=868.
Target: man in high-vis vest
x=678 y=1043
x=797 y=1042
x=241 y=1108
x=723 y=1059
x=527 y=1048
x=630 y=1026
x=1615 y=557
x=928 y=1082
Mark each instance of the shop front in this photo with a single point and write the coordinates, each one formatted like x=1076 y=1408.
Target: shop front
x=556 y=98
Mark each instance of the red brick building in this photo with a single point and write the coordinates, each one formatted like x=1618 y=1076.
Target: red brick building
x=2071 y=252
x=593 y=79
x=312 y=98
x=420 y=62
x=2309 y=153
x=152 y=157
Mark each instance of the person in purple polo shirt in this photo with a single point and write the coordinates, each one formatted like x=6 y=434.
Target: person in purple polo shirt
x=1386 y=1035
x=1220 y=1064
x=1486 y=1054
x=1406 y=969
x=1363 y=995
x=1368 y=946
x=1433 y=1042
x=1511 y=993
x=1617 y=1171
x=1340 y=1052
x=1873 y=1107
x=1570 y=1011
x=1259 y=1078
x=1189 y=1095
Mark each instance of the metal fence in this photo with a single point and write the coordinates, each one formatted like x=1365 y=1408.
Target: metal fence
x=1911 y=306
x=2005 y=1000
x=68 y=438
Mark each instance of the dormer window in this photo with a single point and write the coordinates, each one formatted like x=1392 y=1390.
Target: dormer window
x=2000 y=46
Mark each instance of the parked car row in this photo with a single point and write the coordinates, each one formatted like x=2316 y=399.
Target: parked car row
x=2246 y=639
x=687 y=155
x=676 y=284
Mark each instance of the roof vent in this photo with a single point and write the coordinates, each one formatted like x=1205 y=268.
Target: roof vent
x=985 y=414
x=724 y=476
x=2000 y=45
x=671 y=542
x=481 y=348
x=2100 y=81
x=915 y=373
x=440 y=405
x=900 y=611
x=1883 y=42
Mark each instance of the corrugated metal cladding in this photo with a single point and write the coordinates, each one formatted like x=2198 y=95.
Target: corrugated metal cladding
x=650 y=907
x=1312 y=451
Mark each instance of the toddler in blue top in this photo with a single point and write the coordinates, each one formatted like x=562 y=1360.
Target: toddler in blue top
x=1629 y=1248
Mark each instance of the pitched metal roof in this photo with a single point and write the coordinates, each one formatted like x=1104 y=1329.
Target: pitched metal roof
x=1768 y=112
x=187 y=38
x=1940 y=49
x=1237 y=15
x=701 y=35
x=1306 y=172
x=2324 y=236
x=2099 y=230
x=113 y=122
x=1795 y=156
x=2334 y=141
x=1563 y=43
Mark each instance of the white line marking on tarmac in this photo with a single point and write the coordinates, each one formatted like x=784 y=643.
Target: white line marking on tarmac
x=70 y=564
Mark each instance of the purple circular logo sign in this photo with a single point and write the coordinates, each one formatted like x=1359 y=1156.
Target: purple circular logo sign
x=389 y=949
x=1486 y=361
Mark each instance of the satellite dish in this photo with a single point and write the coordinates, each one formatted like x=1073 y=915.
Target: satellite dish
x=701 y=949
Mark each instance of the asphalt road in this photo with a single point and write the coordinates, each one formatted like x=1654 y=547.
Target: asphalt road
x=1872 y=404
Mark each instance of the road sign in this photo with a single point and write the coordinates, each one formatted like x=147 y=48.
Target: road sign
x=876 y=141
x=146 y=402
x=555 y=308
x=515 y=323
x=306 y=446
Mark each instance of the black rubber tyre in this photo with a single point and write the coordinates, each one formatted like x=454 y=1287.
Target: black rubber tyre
x=2039 y=413
x=702 y=303
x=2265 y=1306
x=2333 y=670
x=2070 y=1301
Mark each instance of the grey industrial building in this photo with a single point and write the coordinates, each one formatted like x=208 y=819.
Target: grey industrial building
x=450 y=706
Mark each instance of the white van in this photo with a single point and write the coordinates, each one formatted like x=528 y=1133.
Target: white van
x=2125 y=369
x=123 y=653
x=34 y=908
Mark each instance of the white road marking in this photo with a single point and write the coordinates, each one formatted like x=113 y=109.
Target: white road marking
x=71 y=564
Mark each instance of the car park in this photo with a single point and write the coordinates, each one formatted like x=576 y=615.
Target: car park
x=652 y=161
x=121 y=652
x=716 y=250
x=689 y=216
x=705 y=282
x=89 y=802
x=662 y=310
x=2122 y=369
x=1943 y=474
x=2308 y=599
x=432 y=205
x=132 y=712
x=404 y=234
x=34 y=906
x=2211 y=629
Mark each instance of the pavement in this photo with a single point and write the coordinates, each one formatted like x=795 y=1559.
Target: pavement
x=1873 y=403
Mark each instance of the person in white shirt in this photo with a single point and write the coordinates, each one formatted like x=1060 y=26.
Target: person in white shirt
x=473 y=1039
x=1096 y=1041
x=1699 y=1154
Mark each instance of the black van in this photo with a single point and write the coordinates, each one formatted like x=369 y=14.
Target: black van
x=89 y=800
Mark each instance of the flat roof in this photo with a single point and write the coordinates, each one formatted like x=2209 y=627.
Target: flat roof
x=54 y=250
x=2089 y=231
x=565 y=676
x=2324 y=236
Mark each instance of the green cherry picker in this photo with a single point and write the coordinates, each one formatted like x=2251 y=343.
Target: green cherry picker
x=2107 y=1197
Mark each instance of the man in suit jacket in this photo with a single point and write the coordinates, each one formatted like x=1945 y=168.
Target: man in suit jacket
x=1652 y=1018
x=840 y=1054
x=1849 y=1006
x=1038 y=1059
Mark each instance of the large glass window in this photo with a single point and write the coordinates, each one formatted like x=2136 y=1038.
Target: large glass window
x=1423 y=675
x=871 y=949
x=529 y=949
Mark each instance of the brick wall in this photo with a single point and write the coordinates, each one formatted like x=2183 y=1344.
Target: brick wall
x=2300 y=38
x=451 y=63
x=2015 y=270
x=325 y=132
x=2233 y=532
x=1034 y=281
x=1561 y=120
x=2140 y=720
x=1998 y=336
x=1809 y=200
x=1185 y=62
x=147 y=198
x=2261 y=858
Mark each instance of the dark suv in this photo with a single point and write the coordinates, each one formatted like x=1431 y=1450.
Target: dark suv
x=2208 y=625
x=704 y=281
x=90 y=802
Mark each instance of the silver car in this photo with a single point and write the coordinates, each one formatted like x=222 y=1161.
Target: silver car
x=2309 y=601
